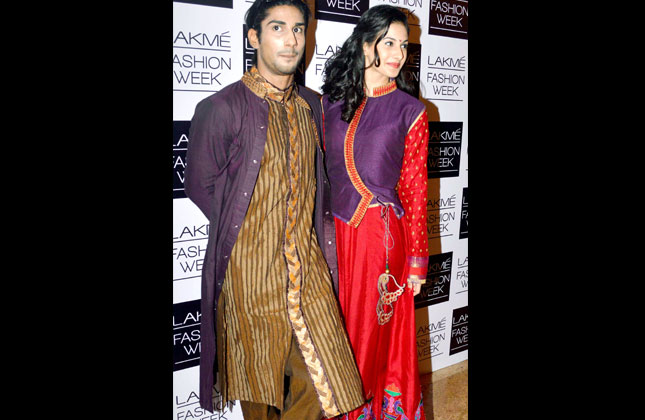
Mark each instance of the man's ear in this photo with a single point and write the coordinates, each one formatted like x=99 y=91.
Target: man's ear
x=253 y=38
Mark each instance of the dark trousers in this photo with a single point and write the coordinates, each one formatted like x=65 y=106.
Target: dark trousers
x=301 y=401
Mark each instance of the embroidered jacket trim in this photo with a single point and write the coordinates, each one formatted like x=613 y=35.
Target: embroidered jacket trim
x=350 y=164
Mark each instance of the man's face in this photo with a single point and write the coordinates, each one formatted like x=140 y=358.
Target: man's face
x=282 y=41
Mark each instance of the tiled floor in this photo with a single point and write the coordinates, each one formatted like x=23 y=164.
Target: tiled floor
x=445 y=393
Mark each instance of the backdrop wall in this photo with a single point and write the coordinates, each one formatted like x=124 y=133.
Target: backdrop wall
x=210 y=51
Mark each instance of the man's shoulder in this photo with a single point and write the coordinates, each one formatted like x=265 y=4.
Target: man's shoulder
x=229 y=99
x=226 y=94
x=311 y=96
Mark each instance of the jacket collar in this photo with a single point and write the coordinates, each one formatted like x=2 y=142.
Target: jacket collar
x=383 y=90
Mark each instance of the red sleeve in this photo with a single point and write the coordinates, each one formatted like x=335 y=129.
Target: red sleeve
x=413 y=193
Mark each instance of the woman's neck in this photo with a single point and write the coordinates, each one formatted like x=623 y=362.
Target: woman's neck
x=371 y=83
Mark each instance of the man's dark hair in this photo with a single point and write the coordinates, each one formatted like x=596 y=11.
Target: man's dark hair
x=260 y=9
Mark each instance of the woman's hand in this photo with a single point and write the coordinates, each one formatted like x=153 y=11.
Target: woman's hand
x=416 y=287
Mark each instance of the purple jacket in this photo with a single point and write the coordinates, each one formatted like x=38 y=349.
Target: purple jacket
x=226 y=143
x=372 y=155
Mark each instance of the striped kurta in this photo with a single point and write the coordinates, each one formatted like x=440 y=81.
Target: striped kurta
x=277 y=282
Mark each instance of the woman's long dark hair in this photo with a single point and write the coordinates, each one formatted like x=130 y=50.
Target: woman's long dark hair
x=343 y=73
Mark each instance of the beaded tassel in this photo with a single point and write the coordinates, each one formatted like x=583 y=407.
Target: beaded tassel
x=387 y=298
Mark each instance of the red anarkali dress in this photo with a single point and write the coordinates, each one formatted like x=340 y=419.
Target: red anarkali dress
x=385 y=353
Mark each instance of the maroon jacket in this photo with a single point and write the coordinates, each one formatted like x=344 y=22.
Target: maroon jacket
x=226 y=143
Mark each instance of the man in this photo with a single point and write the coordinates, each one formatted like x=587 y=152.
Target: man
x=254 y=167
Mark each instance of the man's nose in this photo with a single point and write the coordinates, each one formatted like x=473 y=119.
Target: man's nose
x=292 y=40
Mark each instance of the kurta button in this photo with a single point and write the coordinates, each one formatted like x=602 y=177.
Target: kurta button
x=329 y=242
x=326 y=212
x=255 y=161
x=235 y=226
x=261 y=127
x=245 y=194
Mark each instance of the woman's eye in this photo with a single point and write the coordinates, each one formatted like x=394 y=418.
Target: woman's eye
x=404 y=46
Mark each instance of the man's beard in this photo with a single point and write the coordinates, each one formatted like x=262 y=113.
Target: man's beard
x=284 y=69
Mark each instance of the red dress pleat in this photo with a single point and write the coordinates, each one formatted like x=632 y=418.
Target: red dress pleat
x=385 y=354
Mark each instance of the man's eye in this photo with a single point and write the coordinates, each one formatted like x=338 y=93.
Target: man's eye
x=276 y=27
x=297 y=29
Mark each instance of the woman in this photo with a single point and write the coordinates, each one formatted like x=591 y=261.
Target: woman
x=376 y=143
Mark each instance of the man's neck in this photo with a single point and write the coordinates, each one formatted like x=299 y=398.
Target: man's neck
x=280 y=81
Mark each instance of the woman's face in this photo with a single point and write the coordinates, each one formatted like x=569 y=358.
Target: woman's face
x=392 y=52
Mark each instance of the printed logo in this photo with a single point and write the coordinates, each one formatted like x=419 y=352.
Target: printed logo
x=446 y=78
x=186 y=320
x=463 y=226
x=217 y=3
x=189 y=249
x=459 y=333
x=348 y=11
x=429 y=339
x=179 y=147
x=322 y=53
x=187 y=407
x=412 y=67
x=409 y=7
x=441 y=212
x=444 y=148
x=248 y=51
x=449 y=18
x=462 y=275
x=437 y=286
x=201 y=61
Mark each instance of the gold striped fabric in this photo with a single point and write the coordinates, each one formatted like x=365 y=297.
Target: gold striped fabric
x=277 y=279
x=312 y=361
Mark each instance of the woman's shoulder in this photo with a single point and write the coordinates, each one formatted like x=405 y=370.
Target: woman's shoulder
x=408 y=100
x=327 y=103
x=325 y=98
x=408 y=107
